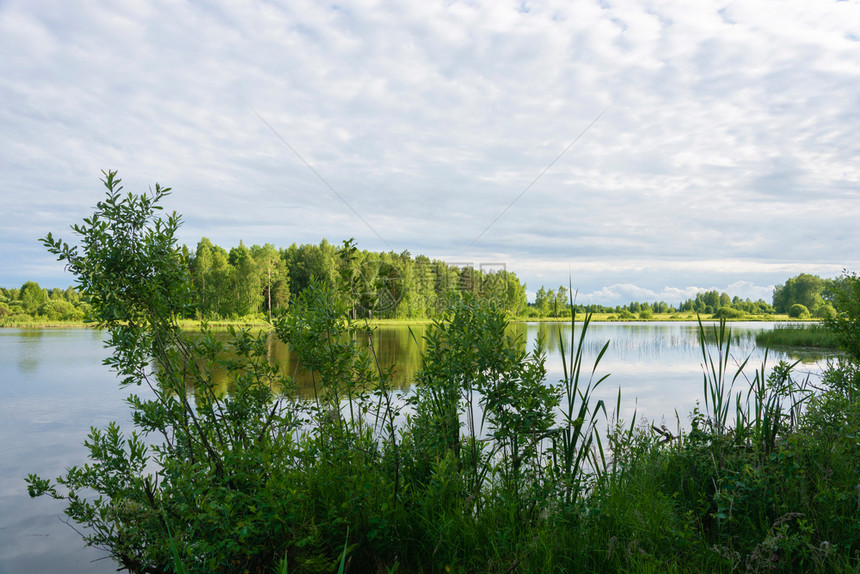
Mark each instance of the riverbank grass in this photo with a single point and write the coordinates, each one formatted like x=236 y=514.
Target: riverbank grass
x=808 y=336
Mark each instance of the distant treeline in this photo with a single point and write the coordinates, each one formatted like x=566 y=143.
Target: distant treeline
x=246 y=281
x=250 y=282
x=801 y=297
x=555 y=303
x=30 y=301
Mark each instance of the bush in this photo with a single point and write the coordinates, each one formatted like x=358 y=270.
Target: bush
x=798 y=311
x=728 y=313
x=17 y=318
x=825 y=312
x=846 y=323
x=58 y=310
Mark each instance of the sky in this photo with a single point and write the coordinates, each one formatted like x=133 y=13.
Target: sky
x=637 y=150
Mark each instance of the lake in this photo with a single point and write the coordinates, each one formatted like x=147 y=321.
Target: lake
x=53 y=388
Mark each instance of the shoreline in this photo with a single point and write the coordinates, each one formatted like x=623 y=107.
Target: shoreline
x=597 y=318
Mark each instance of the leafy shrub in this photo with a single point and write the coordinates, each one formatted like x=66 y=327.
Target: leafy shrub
x=846 y=323
x=825 y=312
x=59 y=310
x=224 y=472
x=798 y=311
x=728 y=313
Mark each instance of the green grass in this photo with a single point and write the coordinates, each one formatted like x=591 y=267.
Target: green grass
x=812 y=335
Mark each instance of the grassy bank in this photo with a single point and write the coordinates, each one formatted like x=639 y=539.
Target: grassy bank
x=811 y=336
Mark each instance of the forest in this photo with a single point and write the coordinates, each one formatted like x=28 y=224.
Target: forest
x=248 y=284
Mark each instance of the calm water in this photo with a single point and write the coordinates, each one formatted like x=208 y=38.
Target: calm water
x=53 y=388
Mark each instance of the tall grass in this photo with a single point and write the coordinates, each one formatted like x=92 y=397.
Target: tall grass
x=810 y=335
x=580 y=413
x=717 y=388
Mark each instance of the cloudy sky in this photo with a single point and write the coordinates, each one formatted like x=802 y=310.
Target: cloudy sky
x=718 y=143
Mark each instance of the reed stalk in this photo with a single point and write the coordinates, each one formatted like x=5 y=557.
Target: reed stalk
x=572 y=444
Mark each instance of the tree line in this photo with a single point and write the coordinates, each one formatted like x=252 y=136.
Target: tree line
x=23 y=304
x=252 y=282
x=801 y=297
x=260 y=279
x=556 y=303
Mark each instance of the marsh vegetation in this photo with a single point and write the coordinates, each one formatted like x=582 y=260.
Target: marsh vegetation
x=486 y=467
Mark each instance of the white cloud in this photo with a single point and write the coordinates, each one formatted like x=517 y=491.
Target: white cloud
x=727 y=153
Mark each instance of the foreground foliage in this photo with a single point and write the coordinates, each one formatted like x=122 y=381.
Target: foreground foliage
x=486 y=467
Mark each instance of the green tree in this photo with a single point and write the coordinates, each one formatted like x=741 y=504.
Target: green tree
x=349 y=271
x=273 y=276
x=308 y=261
x=366 y=284
x=516 y=300
x=60 y=310
x=390 y=287
x=32 y=297
x=846 y=323
x=201 y=269
x=805 y=289
x=221 y=282
x=246 y=281
x=213 y=279
x=71 y=295
x=561 y=305
x=467 y=280
x=711 y=300
x=542 y=302
x=425 y=285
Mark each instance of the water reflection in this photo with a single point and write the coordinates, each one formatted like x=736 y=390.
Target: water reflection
x=28 y=349
x=53 y=387
x=657 y=365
